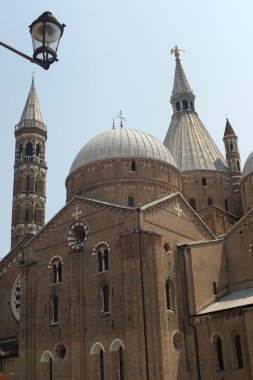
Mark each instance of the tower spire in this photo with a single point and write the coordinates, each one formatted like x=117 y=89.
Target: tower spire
x=29 y=197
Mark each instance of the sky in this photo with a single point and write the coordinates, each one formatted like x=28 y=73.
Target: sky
x=115 y=55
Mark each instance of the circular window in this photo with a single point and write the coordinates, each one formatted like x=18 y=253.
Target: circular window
x=178 y=341
x=77 y=235
x=167 y=248
x=60 y=351
x=15 y=298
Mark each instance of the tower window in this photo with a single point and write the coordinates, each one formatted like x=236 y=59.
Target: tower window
x=26 y=215
x=121 y=364
x=231 y=147
x=28 y=183
x=170 y=296
x=133 y=166
x=238 y=349
x=209 y=201
x=178 y=106
x=38 y=150
x=214 y=288
x=185 y=104
x=192 y=106
x=193 y=203
x=226 y=204
x=103 y=259
x=130 y=201
x=106 y=299
x=204 y=183
x=57 y=271
x=238 y=166
x=220 y=361
x=20 y=150
x=29 y=149
x=35 y=216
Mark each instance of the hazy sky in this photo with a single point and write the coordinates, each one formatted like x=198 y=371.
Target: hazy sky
x=115 y=55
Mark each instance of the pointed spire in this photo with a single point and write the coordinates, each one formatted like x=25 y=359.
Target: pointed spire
x=228 y=129
x=181 y=84
x=32 y=107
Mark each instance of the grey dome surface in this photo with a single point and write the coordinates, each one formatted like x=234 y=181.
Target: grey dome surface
x=248 y=166
x=122 y=142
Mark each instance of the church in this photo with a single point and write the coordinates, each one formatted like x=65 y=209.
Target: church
x=146 y=273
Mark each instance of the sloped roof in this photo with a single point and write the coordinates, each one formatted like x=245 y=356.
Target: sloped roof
x=191 y=146
x=236 y=298
x=32 y=107
x=228 y=129
x=181 y=83
x=248 y=166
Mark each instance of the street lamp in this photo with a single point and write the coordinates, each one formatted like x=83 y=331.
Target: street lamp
x=46 y=33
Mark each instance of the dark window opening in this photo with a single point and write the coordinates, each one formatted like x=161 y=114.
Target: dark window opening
x=185 y=105
x=192 y=106
x=103 y=259
x=133 y=166
x=170 y=296
x=28 y=183
x=29 y=149
x=219 y=355
x=226 y=204
x=121 y=364
x=178 y=106
x=57 y=271
x=238 y=166
x=106 y=299
x=231 y=147
x=20 y=150
x=50 y=369
x=209 y=201
x=204 y=183
x=38 y=150
x=131 y=201
x=214 y=288
x=36 y=187
x=35 y=216
x=55 y=310
x=101 y=366
x=168 y=300
x=238 y=348
x=193 y=203
x=26 y=215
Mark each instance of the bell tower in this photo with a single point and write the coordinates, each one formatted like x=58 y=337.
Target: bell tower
x=29 y=187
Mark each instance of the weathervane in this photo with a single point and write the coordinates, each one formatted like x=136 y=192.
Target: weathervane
x=122 y=119
x=176 y=51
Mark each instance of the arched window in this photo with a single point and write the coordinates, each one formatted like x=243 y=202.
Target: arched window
x=209 y=201
x=121 y=364
x=178 y=106
x=220 y=361
x=185 y=104
x=106 y=303
x=131 y=201
x=103 y=262
x=204 y=183
x=29 y=149
x=238 y=166
x=50 y=369
x=101 y=365
x=57 y=271
x=170 y=296
x=55 y=315
x=47 y=365
x=238 y=348
x=231 y=147
x=20 y=150
x=26 y=215
x=133 y=166
x=38 y=150
x=193 y=203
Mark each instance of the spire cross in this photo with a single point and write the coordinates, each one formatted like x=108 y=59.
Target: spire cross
x=122 y=119
x=77 y=213
x=176 y=51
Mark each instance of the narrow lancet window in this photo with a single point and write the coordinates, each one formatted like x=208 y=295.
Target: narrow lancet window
x=103 y=264
x=220 y=360
x=238 y=348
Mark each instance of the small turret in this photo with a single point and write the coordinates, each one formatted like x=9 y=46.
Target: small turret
x=231 y=147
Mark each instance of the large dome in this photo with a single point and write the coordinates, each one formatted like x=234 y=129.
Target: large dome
x=248 y=166
x=122 y=142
